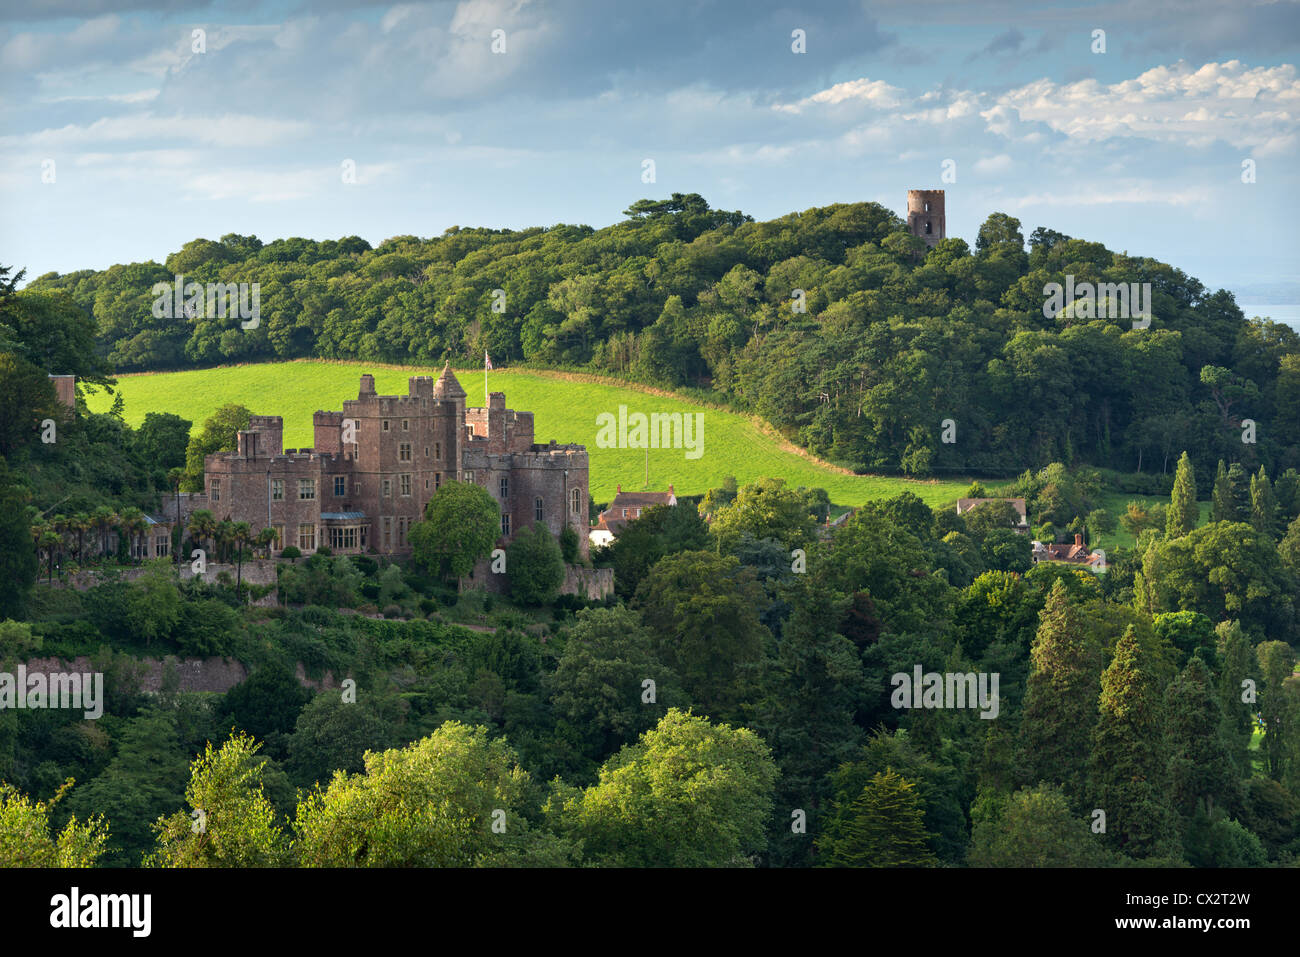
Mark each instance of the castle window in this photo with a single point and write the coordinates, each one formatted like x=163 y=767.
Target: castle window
x=307 y=537
x=340 y=486
x=388 y=488
x=437 y=451
x=306 y=489
x=406 y=486
x=469 y=477
x=426 y=451
x=537 y=509
x=401 y=530
x=406 y=425
x=215 y=494
x=927 y=206
x=388 y=532
x=505 y=524
x=426 y=485
x=278 y=532
x=505 y=488
x=277 y=490
x=437 y=481
x=404 y=452
x=385 y=425
x=577 y=501
x=162 y=546
x=927 y=227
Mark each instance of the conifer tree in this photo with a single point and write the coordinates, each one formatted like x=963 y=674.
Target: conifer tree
x=1239 y=483
x=1202 y=774
x=1276 y=664
x=1236 y=664
x=1060 y=697
x=1263 y=505
x=1181 y=517
x=885 y=828
x=1128 y=767
x=1224 y=508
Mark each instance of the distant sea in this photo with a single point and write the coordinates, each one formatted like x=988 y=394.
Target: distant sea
x=1288 y=315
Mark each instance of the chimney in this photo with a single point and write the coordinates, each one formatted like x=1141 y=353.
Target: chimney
x=619 y=490
x=1078 y=540
x=367 y=385
x=670 y=489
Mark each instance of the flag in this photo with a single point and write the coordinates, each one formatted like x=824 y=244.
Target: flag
x=487 y=361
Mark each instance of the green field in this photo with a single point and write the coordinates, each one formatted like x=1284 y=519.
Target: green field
x=563 y=409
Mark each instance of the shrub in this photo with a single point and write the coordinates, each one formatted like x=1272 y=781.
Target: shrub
x=291 y=553
x=324 y=550
x=367 y=566
x=428 y=606
x=392 y=611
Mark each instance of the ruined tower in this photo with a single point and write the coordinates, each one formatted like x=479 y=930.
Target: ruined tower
x=925 y=215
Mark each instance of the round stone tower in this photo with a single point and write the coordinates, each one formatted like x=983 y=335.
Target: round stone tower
x=925 y=214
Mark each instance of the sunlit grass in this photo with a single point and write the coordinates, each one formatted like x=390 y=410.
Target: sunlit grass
x=563 y=410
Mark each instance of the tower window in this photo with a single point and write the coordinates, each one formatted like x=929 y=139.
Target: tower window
x=505 y=488
x=537 y=509
x=927 y=227
x=927 y=206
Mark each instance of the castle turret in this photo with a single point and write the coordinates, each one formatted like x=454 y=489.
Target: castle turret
x=447 y=386
x=925 y=215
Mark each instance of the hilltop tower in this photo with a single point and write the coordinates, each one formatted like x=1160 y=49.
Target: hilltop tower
x=925 y=215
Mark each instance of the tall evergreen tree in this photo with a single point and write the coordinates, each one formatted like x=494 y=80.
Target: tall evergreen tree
x=1129 y=764
x=1263 y=505
x=1239 y=483
x=1181 y=517
x=813 y=689
x=1236 y=664
x=1224 y=508
x=1276 y=664
x=1202 y=774
x=885 y=827
x=1060 y=697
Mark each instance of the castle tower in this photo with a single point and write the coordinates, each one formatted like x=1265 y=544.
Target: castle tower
x=925 y=215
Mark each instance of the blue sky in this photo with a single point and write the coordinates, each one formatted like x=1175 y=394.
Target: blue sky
x=1140 y=147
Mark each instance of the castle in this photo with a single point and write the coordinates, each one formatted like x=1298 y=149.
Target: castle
x=925 y=217
x=376 y=464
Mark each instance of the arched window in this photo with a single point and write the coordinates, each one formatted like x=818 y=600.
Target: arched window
x=537 y=508
x=927 y=227
x=927 y=206
x=577 y=501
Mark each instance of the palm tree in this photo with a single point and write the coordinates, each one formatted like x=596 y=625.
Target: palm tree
x=80 y=523
x=49 y=541
x=224 y=535
x=241 y=533
x=265 y=539
x=202 y=527
x=59 y=526
x=102 y=519
x=132 y=523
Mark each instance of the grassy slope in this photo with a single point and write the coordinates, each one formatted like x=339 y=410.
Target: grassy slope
x=563 y=409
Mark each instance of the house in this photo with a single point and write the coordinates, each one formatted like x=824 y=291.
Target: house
x=964 y=505
x=626 y=507
x=1075 y=553
x=376 y=464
